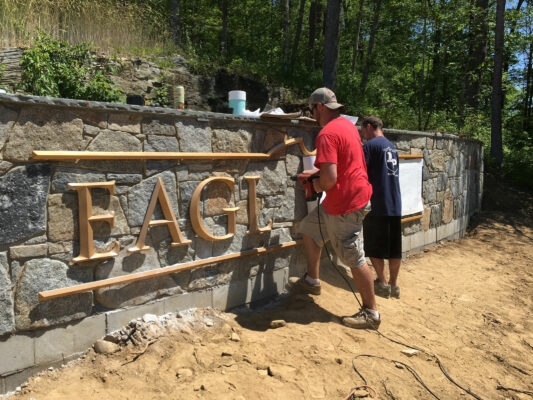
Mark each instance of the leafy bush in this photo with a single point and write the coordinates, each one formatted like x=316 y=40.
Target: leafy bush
x=54 y=68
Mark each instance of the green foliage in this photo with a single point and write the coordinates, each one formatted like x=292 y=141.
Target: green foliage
x=54 y=68
x=517 y=164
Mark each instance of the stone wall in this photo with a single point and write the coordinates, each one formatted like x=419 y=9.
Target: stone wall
x=39 y=220
x=452 y=185
x=10 y=70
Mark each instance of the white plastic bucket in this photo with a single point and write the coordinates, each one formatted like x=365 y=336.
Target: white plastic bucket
x=237 y=101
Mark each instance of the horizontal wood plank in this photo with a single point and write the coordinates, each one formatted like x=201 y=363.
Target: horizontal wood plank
x=139 y=276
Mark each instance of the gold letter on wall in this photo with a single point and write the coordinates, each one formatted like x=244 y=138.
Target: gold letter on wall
x=177 y=237
x=86 y=219
x=196 y=218
x=252 y=208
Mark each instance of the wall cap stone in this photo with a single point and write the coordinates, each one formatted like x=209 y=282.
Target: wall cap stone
x=201 y=116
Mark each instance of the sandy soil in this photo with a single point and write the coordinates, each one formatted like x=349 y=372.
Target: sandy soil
x=469 y=302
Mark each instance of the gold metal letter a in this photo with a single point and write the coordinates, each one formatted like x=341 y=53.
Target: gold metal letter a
x=159 y=194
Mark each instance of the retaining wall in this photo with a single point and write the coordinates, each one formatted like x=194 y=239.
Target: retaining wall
x=41 y=229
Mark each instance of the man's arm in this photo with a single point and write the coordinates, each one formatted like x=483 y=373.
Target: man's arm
x=328 y=177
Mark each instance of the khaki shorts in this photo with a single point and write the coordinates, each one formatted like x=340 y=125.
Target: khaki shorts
x=344 y=232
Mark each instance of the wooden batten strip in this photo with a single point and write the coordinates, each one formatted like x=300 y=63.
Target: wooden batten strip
x=410 y=156
x=413 y=218
x=142 y=155
x=139 y=276
x=154 y=155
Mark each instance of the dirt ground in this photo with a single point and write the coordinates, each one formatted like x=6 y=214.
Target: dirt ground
x=469 y=302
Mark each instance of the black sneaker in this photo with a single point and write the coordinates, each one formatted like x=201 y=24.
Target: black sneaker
x=302 y=285
x=381 y=290
x=363 y=319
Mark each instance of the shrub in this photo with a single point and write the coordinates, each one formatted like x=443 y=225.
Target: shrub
x=55 y=68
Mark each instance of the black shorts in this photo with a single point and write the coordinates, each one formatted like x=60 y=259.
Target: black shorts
x=383 y=236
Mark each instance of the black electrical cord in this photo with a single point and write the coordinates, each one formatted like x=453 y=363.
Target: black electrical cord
x=410 y=369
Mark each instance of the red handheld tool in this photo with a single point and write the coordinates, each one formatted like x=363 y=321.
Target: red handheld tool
x=306 y=180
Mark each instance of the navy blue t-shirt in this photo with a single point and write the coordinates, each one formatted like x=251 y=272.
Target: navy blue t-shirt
x=383 y=173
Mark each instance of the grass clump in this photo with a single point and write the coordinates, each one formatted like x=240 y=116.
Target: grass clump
x=117 y=26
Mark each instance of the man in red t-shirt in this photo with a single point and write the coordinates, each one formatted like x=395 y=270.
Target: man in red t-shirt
x=340 y=162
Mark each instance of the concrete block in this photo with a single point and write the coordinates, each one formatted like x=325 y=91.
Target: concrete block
x=60 y=343
x=267 y=285
x=17 y=352
x=417 y=240
x=232 y=295
x=441 y=232
x=118 y=318
x=430 y=237
x=12 y=381
x=53 y=345
x=185 y=301
x=406 y=244
x=454 y=227
x=87 y=331
x=444 y=231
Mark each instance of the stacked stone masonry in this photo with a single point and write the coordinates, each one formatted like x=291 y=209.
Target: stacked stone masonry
x=39 y=232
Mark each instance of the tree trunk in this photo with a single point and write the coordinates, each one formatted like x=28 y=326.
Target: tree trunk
x=477 y=53
x=286 y=26
x=331 y=44
x=422 y=70
x=529 y=91
x=311 y=36
x=375 y=22
x=318 y=55
x=357 y=35
x=298 y=33
x=434 y=95
x=175 y=21
x=224 y=33
x=496 y=150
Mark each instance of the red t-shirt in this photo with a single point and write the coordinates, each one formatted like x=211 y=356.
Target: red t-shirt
x=339 y=143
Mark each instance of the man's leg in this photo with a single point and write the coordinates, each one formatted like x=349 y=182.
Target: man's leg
x=379 y=266
x=365 y=284
x=381 y=287
x=312 y=252
x=394 y=267
x=309 y=283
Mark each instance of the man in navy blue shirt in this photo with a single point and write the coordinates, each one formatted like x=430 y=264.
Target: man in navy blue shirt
x=382 y=227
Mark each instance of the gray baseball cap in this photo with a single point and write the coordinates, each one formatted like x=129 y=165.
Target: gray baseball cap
x=326 y=97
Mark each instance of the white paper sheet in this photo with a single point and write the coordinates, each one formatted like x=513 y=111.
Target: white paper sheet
x=350 y=118
x=411 y=186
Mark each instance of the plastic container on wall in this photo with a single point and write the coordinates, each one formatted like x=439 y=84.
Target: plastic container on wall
x=179 y=97
x=237 y=101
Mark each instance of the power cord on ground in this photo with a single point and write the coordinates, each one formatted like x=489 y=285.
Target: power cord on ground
x=409 y=368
